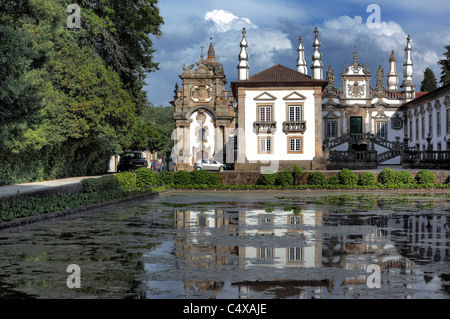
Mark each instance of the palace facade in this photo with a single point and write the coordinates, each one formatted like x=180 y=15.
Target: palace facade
x=282 y=117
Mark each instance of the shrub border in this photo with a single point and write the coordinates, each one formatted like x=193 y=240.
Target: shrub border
x=133 y=192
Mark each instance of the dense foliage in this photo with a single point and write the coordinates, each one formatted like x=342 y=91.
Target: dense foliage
x=445 y=66
x=429 y=82
x=69 y=99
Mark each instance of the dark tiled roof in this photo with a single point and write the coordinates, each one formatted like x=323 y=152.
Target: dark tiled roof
x=281 y=74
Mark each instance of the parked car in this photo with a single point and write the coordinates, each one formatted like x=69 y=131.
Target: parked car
x=130 y=161
x=209 y=165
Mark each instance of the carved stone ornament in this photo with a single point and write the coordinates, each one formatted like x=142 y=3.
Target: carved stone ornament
x=396 y=122
x=201 y=117
x=355 y=89
x=201 y=93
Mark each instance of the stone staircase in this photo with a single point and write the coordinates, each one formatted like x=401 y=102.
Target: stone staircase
x=394 y=148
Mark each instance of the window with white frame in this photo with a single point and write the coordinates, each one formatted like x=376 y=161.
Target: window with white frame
x=295 y=254
x=265 y=145
x=381 y=129
x=265 y=113
x=295 y=144
x=295 y=113
x=330 y=129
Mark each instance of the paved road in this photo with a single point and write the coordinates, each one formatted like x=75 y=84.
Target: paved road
x=11 y=190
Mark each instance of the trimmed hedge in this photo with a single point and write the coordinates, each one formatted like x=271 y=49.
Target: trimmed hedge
x=145 y=177
x=204 y=178
x=317 y=179
x=266 y=179
x=284 y=178
x=347 y=177
x=101 y=184
x=182 y=178
x=367 y=179
x=425 y=177
x=166 y=178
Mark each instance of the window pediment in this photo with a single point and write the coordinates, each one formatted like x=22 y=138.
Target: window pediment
x=294 y=96
x=265 y=97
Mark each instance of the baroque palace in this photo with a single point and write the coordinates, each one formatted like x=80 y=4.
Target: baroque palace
x=282 y=117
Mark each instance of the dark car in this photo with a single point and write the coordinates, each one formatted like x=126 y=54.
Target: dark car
x=130 y=161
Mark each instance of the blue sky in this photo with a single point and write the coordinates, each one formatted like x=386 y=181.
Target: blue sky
x=273 y=28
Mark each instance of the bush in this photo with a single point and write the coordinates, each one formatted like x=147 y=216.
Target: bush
x=165 y=178
x=266 y=179
x=367 y=179
x=204 y=178
x=317 y=179
x=146 y=178
x=404 y=177
x=127 y=181
x=347 y=177
x=388 y=177
x=182 y=178
x=107 y=183
x=284 y=178
x=333 y=180
x=425 y=177
x=297 y=174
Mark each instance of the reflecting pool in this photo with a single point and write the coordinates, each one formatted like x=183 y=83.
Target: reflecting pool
x=257 y=245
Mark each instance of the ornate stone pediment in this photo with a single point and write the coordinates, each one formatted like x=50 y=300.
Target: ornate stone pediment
x=331 y=116
x=380 y=115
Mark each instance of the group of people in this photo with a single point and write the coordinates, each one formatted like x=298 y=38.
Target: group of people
x=158 y=165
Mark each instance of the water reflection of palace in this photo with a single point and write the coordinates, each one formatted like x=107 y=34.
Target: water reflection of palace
x=286 y=239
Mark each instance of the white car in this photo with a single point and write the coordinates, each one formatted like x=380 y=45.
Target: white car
x=209 y=165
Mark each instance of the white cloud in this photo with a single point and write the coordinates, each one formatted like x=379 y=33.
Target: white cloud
x=225 y=21
x=264 y=45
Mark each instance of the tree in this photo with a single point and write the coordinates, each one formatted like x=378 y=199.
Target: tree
x=445 y=66
x=429 y=82
x=119 y=31
x=20 y=98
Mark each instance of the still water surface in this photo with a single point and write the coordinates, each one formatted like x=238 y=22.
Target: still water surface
x=238 y=245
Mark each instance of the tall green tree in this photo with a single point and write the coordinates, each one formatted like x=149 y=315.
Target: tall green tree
x=119 y=31
x=429 y=82
x=74 y=96
x=445 y=66
x=20 y=96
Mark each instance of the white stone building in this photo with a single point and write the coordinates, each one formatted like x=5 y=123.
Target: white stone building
x=279 y=117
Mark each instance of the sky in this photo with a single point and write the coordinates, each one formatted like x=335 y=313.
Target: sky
x=273 y=27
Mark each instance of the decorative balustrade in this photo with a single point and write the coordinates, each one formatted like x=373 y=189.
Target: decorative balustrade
x=426 y=159
x=294 y=127
x=351 y=156
x=264 y=127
